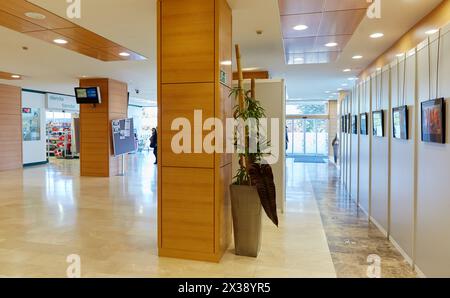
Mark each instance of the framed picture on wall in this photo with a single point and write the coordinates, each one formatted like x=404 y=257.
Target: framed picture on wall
x=400 y=123
x=378 y=123
x=433 y=121
x=364 y=124
x=355 y=125
x=343 y=124
x=349 y=123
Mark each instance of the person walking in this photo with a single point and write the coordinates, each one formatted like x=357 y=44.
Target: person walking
x=154 y=144
x=335 y=145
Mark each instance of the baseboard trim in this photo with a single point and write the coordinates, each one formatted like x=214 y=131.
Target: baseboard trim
x=27 y=165
x=379 y=226
x=401 y=251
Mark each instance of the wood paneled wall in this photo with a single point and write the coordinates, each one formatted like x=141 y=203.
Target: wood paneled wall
x=10 y=127
x=194 y=36
x=96 y=152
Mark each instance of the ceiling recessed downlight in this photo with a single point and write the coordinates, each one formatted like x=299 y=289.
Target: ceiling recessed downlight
x=15 y=76
x=331 y=44
x=357 y=57
x=124 y=54
x=60 y=41
x=431 y=31
x=352 y=79
x=400 y=55
x=300 y=27
x=226 y=63
x=376 y=35
x=347 y=70
x=35 y=15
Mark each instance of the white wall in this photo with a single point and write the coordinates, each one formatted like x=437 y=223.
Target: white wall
x=409 y=193
x=35 y=151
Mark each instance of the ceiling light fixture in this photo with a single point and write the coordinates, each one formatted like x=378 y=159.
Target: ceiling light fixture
x=352 y=79
x=344 y=85
x=15 y=76
x=400 y=55
x=300 y=27
x=60 y=41
x=357 y=57
x=35 y=15
x=376 y=35
x=347 y=70
x=431 y=31
x=327 y=92
x=124 y=54
x=331 y=44
x=226 y=63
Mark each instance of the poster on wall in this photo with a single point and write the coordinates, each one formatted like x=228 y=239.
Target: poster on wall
x=378 y=123
x=364 y=124
x=433 y=121
x=400 y=123
x=31 y=124
x=123 y=136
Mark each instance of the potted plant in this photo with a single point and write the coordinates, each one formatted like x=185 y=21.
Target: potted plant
x=253 y=185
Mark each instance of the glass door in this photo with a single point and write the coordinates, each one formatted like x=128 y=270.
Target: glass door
x=307 y=137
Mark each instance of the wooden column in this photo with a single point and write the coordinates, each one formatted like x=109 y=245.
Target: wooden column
x=194 y=39
x=96 y=152
x=10 y=127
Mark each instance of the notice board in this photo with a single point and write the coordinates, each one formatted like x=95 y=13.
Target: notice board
x=123 y=136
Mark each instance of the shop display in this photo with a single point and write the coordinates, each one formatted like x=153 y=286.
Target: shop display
x=433 y=121
x=364 y=124
x=378 y=123
x=400 y=123
x=60 y=136
x=31 y=124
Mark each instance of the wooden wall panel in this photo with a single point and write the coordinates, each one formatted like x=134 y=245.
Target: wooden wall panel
x=187 y=41
x=10 y=127
x=180 y=100
x=194 y=37
x=96 y=152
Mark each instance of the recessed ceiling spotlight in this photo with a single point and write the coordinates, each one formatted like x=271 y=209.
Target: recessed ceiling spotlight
x=226 y=63
x=60 y=41
x=431 y=31
x=347 y=70
x=378 y=68
x=124 y=54
x=376 y=35
x=357 y=57
x=340 y=89
x=327 y=92
x=400 y=54
x=299 y=60
x=331 y=44
x=352 y=79
x=300 y=27
x=344 y=85
x=35 y=15
x=15 y=77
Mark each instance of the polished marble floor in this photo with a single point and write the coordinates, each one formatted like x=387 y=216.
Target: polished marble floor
x=352 y=240
x=49 y=212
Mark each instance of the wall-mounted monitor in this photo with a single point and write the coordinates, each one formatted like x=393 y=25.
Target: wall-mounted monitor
x=378 y=123
x=364 y=124
x=400 y=123
x=89 y=95
x=433 y=121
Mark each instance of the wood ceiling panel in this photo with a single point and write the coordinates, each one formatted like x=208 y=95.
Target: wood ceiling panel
x=288 y=7
x=8 y=76
x=18 y=8
x=17 y=24
x=333 y=5
x=341 y=22
x=310 y=20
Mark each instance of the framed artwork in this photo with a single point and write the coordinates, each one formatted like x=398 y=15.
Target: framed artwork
x=378 y=123
x=349 y=123
x=433 y=121
x=364 y=124
x=400 y=123
x=355 y=125
x=343 y=124
x=31 y=124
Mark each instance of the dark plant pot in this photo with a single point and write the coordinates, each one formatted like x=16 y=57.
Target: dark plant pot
x=246 y=209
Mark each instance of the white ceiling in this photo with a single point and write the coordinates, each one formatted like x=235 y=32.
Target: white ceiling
x=132 y=23
x=310 y=82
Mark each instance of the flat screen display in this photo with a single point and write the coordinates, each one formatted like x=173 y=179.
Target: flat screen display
x=90 y=95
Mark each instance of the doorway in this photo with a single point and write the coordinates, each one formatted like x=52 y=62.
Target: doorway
x=307 y=137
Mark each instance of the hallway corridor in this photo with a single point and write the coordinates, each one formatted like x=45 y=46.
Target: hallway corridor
x=351 y=239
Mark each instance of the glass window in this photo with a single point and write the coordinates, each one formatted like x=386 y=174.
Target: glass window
x=306 y=108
